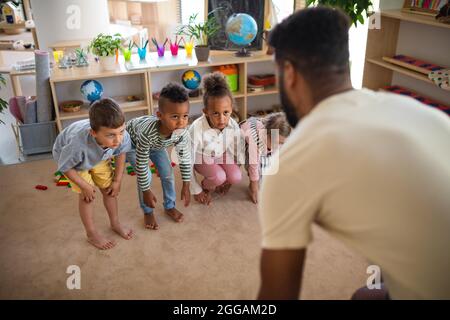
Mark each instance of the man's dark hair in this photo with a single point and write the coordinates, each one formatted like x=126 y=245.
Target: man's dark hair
x=105 y=113
x=172 y=92
x=315 y=41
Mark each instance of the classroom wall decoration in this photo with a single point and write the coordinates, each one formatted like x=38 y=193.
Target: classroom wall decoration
x=254 y=8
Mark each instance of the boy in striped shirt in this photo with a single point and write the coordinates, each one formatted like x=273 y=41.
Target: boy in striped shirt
x=150 y=136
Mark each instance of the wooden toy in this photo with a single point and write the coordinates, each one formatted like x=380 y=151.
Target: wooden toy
x=424 y=100
x=413 y=64
x=12 y=12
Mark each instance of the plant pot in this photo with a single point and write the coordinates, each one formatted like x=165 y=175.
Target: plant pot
x=202 y=53
x=108 y=63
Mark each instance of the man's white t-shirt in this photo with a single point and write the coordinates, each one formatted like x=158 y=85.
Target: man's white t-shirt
x=373 y=169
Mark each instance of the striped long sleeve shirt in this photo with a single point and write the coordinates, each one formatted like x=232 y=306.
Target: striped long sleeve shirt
x=144 y=133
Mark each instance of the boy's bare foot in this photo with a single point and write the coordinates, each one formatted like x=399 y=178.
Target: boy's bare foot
x=124 y=232
x=100 y=242
x=176 y=215
x=150 y=222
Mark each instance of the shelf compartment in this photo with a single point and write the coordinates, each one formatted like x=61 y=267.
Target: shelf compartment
x=387 y=65
x=416 y=18
x=267 y=91
x=84 y=112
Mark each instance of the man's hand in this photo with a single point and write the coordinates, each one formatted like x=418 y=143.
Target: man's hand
x=114 y=189
x=149 y=199
x=186 y=194
x=87 y=192
x=253 y=191
x=203 y=197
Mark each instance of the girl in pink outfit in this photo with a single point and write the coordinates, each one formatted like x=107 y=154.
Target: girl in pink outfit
x=214 y=136
x=262 y=138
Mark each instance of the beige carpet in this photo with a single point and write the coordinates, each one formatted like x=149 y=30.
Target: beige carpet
x=214 y=254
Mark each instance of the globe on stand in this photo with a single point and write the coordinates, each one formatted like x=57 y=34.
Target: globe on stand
x=241 y=29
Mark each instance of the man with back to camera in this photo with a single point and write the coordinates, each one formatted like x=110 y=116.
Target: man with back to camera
x=371 y=168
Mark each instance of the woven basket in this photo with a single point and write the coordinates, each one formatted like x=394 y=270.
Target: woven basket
x=71 y=105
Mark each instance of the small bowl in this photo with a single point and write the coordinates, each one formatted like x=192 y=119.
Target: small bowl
x=71 y=105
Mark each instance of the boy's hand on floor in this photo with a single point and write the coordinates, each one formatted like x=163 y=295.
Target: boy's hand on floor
x=114 y=189
x=253 y=191
x=149 y=199
x=186 y=194
x=88 y=193
x=203 y=197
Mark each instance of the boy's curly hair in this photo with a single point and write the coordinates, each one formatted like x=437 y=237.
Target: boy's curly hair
x=106 y=113
x=216 y=86
x=172 y=92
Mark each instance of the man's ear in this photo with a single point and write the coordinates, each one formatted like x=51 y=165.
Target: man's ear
x=289 y=74
x=93 y=133
x=158 y=114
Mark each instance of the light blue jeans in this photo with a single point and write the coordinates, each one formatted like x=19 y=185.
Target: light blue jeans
x=163 y=164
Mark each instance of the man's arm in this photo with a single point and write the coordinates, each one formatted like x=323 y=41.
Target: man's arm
x=281 y=274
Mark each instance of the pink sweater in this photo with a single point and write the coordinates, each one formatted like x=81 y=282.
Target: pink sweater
x=254 y=155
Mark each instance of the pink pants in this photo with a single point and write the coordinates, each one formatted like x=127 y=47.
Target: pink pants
x=217 y=172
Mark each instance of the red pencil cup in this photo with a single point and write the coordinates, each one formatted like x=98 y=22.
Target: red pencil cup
x=174 y=49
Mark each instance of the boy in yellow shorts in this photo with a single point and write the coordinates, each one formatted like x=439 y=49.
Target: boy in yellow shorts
x=83 y=152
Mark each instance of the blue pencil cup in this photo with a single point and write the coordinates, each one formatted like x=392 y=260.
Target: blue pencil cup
x=142 y=53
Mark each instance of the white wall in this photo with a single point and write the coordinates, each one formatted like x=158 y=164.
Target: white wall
x=391 y=4
x=56 y=22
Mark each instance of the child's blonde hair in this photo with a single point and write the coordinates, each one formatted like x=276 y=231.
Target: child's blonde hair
x=216 y=86
x=277 y=121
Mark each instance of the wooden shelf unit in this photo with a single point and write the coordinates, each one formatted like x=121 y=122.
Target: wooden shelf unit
x=383 y=43
x=60 y=76
x=93 y=71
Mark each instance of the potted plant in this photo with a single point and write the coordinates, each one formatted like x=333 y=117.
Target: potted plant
x=354 y=8
x=201 y=32
x=105 y=47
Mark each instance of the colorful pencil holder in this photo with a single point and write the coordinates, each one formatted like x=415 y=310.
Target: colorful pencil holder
x=174 y=49
x=160 y=50
x=127 y=54
x=142 y=52
x=189 y=46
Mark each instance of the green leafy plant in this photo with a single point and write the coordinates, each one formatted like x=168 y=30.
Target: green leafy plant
x=200 y=31
x=3 y=103
x=105 y=45
x=354 y=8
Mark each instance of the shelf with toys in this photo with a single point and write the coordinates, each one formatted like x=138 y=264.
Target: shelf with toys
x=408 y=55
x=148 y=81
